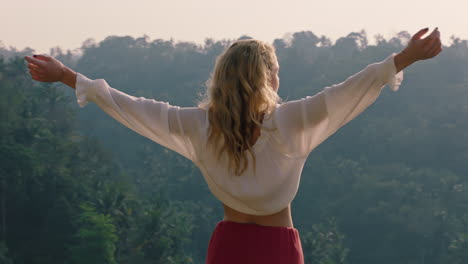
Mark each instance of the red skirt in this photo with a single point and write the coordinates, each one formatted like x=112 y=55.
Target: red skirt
x=234 y=243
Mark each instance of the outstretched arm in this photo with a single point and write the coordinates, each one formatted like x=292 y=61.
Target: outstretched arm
x=170 y=126
x=348 y=99
x=312 y=119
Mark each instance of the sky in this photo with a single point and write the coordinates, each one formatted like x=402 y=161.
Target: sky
x=44 y=24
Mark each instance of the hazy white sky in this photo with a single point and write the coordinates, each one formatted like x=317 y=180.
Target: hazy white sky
x=42 y=24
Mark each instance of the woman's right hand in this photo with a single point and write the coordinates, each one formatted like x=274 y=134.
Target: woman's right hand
x=45 y=68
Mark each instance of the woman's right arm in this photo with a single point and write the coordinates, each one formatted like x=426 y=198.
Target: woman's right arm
x=311 y=120
x=321 y=115
x=348 y=99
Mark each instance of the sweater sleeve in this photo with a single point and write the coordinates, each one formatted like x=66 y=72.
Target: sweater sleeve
x=170 y=126
x=313 y=119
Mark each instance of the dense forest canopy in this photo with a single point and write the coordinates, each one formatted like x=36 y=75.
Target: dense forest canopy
x=78 y=187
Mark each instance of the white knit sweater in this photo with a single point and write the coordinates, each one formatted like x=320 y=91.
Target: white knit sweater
x=280 y=155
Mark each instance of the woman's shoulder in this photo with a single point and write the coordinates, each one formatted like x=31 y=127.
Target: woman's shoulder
x=193 y=116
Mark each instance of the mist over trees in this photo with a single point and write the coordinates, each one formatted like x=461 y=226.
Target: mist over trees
x=78 y=187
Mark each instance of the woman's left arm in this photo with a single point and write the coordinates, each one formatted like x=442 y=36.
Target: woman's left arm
x=170 y=126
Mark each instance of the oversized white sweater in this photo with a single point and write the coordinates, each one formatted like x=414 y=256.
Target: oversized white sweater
x=280 y=155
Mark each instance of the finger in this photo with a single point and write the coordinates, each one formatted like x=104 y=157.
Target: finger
x=435 y=53
x=434 y=32
x=430 y=41
x=43 y=57
x=34 y=74
x=434 y=50
x=34 y=67
x=436 y=43
x=38 y=78
x=40 y=71
x=34 y=61
x=420 y=33
x=437 y=33
x=437 y=48
x=440 y=50
x=37 y=70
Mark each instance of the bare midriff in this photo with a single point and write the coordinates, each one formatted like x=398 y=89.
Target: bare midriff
x=282 y=218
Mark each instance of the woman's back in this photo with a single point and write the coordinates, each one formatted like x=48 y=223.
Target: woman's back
x=265 y=189
x=293 y=130
x=281 y=218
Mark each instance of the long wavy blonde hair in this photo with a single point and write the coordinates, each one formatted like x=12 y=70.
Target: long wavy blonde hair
x=238 y=95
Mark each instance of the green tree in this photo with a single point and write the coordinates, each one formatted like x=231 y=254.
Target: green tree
x=324 y=244
x=4 y=259
x=96 y=238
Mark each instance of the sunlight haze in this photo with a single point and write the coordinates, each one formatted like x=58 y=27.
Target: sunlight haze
x=42 y=25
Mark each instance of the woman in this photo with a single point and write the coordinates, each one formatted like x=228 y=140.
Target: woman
x=250 y=148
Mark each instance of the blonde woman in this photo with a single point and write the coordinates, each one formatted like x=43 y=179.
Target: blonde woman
x=249 y=146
